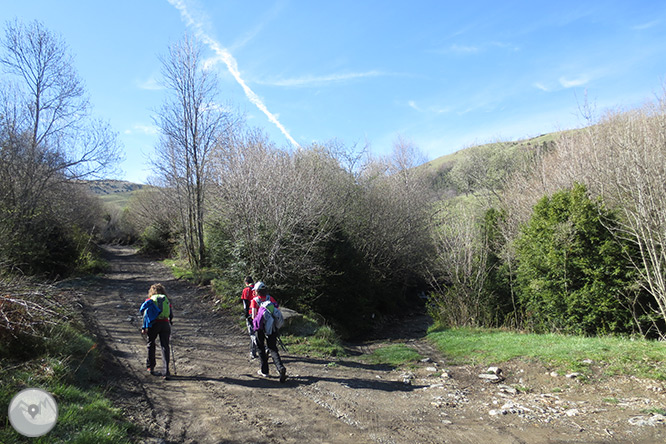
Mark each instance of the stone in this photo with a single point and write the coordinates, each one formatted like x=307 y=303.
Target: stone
x=490 y=377
x=507 y=389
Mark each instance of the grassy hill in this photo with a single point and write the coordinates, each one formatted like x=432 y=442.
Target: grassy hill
x=115 y=193
x=450 y=159
x=484 y=166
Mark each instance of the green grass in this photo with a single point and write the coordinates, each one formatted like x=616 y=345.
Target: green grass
x=394 y=355
x=63 y=360
x=84 y=413
x=181 y=270
x=323 y=343
x=434 y=164
x=617 y=356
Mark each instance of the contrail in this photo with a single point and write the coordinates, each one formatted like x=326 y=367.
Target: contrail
x=231 y=63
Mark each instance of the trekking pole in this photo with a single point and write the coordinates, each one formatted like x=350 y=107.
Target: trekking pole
x=173 y=356
x=281 y=344
x=253 y=338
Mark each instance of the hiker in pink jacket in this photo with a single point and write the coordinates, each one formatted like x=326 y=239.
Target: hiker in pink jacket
x=257 y=309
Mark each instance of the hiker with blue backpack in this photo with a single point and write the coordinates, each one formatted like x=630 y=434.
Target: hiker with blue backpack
x=267 y=320
x=157 y=320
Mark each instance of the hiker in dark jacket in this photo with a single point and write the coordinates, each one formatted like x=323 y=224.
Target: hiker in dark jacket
x=263 y=337
x=158 y=317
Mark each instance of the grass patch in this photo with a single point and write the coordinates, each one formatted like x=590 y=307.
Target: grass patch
x=394 y=355
x=617 y=355
x=48 y=348
x=323 y=343
x=181 y=270
x=84 y=413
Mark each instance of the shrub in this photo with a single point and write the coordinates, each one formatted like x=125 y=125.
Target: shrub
x=572 y=275
x=156 y=240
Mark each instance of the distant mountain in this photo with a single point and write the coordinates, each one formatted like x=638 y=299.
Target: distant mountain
x=105 y=187
x=114 y=192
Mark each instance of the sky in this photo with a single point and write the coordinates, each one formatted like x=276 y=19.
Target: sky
x=442 y=75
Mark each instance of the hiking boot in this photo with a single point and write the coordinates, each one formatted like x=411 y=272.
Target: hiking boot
x=283 y=374
x=166 y=376
x=260 y=373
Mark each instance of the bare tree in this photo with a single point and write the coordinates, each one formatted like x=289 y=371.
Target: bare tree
x=461 y=269
x=390 y=217
x=282 y=206
x=191 y=124
x=47 y=138
x=48 y=133
x=51 y=112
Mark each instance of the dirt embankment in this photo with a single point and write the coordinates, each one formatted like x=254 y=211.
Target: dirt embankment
x=217 y=396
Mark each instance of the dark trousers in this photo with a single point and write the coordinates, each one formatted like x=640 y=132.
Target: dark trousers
x=271 y=342
x=163 y=330
x=246 y=309
x=250 y=329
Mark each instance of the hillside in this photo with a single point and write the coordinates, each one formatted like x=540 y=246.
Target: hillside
x=448 y=160
x=114 y=192
x=482 y=167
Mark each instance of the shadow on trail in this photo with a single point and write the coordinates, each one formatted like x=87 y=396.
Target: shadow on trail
x=198 y=378
x=341 y=363
x=297 y=381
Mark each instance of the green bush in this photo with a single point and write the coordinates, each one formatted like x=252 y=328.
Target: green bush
x=39 y=246
x=572 y=275
x=156 y=240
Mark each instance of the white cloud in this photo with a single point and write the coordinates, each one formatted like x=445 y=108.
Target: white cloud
x=150 y=130
x=228 y=59
x=431 y=109
x=150 y=84
x=306 y=81
x=541 y=86
x=258 y=28
x=464 y=49
x=572 y=83
x=644 y=26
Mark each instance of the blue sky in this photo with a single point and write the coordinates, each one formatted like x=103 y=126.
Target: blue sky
x=444 y=75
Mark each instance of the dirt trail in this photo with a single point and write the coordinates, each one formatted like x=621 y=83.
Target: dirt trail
x=217 y=396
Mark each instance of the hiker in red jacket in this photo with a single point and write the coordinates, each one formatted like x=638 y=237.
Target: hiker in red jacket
x=246 y=298
x=265 y=339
